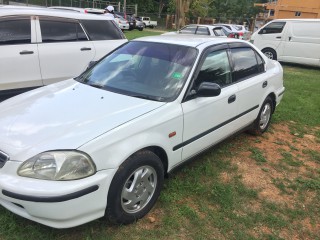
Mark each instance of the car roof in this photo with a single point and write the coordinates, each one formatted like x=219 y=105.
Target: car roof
x=187 y=40
x=41 y=11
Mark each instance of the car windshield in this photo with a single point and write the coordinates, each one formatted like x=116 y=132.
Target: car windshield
x=154 y=71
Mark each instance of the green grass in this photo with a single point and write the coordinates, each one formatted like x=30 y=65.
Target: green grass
x=208 y=198
x=300 y=104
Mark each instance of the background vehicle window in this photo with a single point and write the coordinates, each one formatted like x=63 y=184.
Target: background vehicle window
x=101 y=30
x=202 y=31
x=219 y=32
x=188 y=30
x=60 y=31
x=245 y=63
x=15 y=31
x=275 y=27
x=215 y=69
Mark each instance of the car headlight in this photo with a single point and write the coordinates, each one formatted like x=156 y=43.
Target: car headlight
x=58 y=165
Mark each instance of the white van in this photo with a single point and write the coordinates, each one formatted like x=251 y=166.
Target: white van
x=290 y=40
x=41 y=46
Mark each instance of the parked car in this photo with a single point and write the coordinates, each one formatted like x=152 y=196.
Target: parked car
x=50 y=46
x=132 y=21
x=147 y=22
x=139 y=25
x=200 y=29
x=240 y=30
x=146 y=108
x=122 y=23
x=290 y=40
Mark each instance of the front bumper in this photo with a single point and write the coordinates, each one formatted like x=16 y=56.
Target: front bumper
x=58 y=204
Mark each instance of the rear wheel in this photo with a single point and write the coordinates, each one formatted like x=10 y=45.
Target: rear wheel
x=262 y=122
x=270 y=53
x=135 y=188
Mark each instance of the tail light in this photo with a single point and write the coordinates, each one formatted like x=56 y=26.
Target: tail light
x=231 y=35
x=85 y=11
x=240 y=33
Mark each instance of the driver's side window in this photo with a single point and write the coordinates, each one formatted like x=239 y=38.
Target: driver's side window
x=215 y=69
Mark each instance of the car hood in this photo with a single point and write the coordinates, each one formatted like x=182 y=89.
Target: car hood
x=65 y=115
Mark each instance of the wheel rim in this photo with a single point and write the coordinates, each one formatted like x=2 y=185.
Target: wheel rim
x=138 y=189
x=269 y=55
x=265 y=116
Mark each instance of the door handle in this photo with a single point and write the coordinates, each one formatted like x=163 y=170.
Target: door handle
x=264 y=84
x=232 y=98
x=85 y=49
x=278 y=37
x=25 y=52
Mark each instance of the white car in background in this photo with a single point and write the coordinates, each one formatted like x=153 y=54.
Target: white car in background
x=201 y=29
x=242 y=31
x=40 y=46
x=143 y=110
x=122 y=23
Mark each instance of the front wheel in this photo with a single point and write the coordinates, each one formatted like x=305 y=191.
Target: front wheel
x=135 y=188
x=262 y=122
x=270 y=53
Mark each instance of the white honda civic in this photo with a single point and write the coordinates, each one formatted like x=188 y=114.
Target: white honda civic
x=102 y=143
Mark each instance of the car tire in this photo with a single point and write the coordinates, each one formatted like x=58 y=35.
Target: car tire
x=140 y=29
x=270 y=53
x=262 y=122
x=135 y=188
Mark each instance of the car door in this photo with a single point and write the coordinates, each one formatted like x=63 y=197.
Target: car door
x=251 y=79
x=208 y=120
x=64 y=49
x=271 y=36
x=19 y=62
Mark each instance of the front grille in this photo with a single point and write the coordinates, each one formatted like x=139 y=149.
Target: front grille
x=3 y=159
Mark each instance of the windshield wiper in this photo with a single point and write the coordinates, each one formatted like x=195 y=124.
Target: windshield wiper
x=95 y=85
x=158 y=99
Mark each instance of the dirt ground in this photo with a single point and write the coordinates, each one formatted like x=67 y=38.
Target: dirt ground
x=275 y=145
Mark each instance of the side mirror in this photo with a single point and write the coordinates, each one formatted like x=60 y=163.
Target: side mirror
x=262 y=31
x=208 y=89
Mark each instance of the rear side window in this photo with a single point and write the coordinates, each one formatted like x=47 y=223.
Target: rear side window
x=202 y=31
x=101 y=30
x=189 y=29
x=245 y=63
x=275 y=27
x=15 y=31
x=61 y=31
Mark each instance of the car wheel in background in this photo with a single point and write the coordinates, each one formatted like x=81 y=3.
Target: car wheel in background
x=270 y=53
x=135 y=187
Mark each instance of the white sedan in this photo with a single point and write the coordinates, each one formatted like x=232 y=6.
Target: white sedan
x=101 y=144
x=202 y=29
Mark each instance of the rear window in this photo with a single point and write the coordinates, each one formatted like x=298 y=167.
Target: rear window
x=102 y=30
x=245 y=63
x=61 y=31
